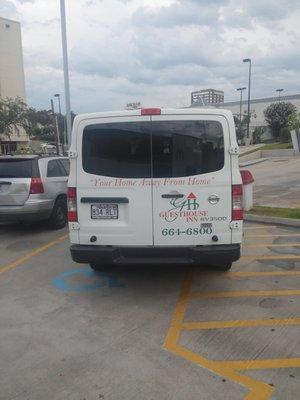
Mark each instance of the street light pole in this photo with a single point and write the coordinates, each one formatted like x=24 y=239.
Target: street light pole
x=66 y=68
x=58 y=98
x=248 y=60
x=279 y=91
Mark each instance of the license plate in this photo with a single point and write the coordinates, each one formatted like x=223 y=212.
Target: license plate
x=104 y=211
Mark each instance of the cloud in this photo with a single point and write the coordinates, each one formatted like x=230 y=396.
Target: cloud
x=8 y=10
x=157 y=51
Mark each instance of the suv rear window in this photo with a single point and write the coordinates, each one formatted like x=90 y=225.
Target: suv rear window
x=178 y=148
x=16 y=168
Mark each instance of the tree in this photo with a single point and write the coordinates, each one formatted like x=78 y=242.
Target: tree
x=258 y=133
x=241 y=126
x=13 y=116
x=41 y=124
x=277 y=116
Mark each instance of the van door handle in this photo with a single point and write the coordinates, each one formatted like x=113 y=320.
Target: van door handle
x=172 y=196
x=5 y=183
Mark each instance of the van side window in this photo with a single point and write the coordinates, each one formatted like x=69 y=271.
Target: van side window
x=117 y=150
x=55 y=169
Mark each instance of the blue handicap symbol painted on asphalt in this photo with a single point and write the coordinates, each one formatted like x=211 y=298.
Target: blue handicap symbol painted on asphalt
x=99 y=279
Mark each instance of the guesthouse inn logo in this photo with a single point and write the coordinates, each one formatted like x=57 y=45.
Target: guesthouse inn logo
x=186 y=208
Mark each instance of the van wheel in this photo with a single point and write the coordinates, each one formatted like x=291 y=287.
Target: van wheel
x=223 y=267
x=59 y=215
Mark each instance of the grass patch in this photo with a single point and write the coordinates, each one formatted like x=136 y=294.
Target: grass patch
x=276 y=212
x=270 y=146
x=277 y=146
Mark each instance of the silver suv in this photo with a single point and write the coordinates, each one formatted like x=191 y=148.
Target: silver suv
x=34 y=188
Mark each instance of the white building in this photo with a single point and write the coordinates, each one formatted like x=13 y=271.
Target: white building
x=12 y=81
x=257 y=107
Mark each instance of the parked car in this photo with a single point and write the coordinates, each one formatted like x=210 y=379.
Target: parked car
x=34 y=188
x=155 y=185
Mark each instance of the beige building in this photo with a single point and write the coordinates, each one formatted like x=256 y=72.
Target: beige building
x=12 y=82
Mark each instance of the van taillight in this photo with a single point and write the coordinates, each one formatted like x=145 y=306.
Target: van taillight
x=72 y=204
x=36 y=186
x=150 y=111
x=237 y=203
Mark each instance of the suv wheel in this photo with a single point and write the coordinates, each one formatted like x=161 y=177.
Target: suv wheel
x=59 y=215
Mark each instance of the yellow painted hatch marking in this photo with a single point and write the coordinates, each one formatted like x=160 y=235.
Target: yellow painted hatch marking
x=257 y=390
x=28 y=256
x=239 y=323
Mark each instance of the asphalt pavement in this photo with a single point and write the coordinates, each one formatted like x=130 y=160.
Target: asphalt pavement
x=157 y=333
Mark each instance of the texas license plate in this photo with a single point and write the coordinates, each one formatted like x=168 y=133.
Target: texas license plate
x=104 y=211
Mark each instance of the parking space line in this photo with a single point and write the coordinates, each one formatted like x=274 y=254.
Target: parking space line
x=268 y=235
x=253 y=245
x=261 y=273
x=244 y=293
x=277 y=257
x=249 y=228
x=239 y=323
x=31 y=254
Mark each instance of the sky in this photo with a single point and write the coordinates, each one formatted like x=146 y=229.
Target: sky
x=157 y=51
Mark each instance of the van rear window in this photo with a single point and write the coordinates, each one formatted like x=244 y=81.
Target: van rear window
x=15 y=168
x=158 y=149
x=118 y=150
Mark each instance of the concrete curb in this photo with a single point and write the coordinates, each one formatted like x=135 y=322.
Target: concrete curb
x=273 y=220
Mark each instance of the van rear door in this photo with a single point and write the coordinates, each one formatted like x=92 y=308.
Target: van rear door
x=114 y=192
x=191 y=180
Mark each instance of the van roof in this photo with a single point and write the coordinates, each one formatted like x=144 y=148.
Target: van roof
x=164 y=111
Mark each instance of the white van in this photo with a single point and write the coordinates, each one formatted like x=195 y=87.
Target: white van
x=155 y=185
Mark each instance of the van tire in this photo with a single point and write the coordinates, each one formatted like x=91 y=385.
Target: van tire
x=223 y=267
x=59 y=216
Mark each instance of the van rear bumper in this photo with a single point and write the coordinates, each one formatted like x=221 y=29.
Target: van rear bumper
x=212 y=255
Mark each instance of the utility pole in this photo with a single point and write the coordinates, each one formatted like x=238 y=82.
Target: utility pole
x=56 y=128
x=248 y=60
x=66 y=68
x=57 y=95
x=241 y=101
